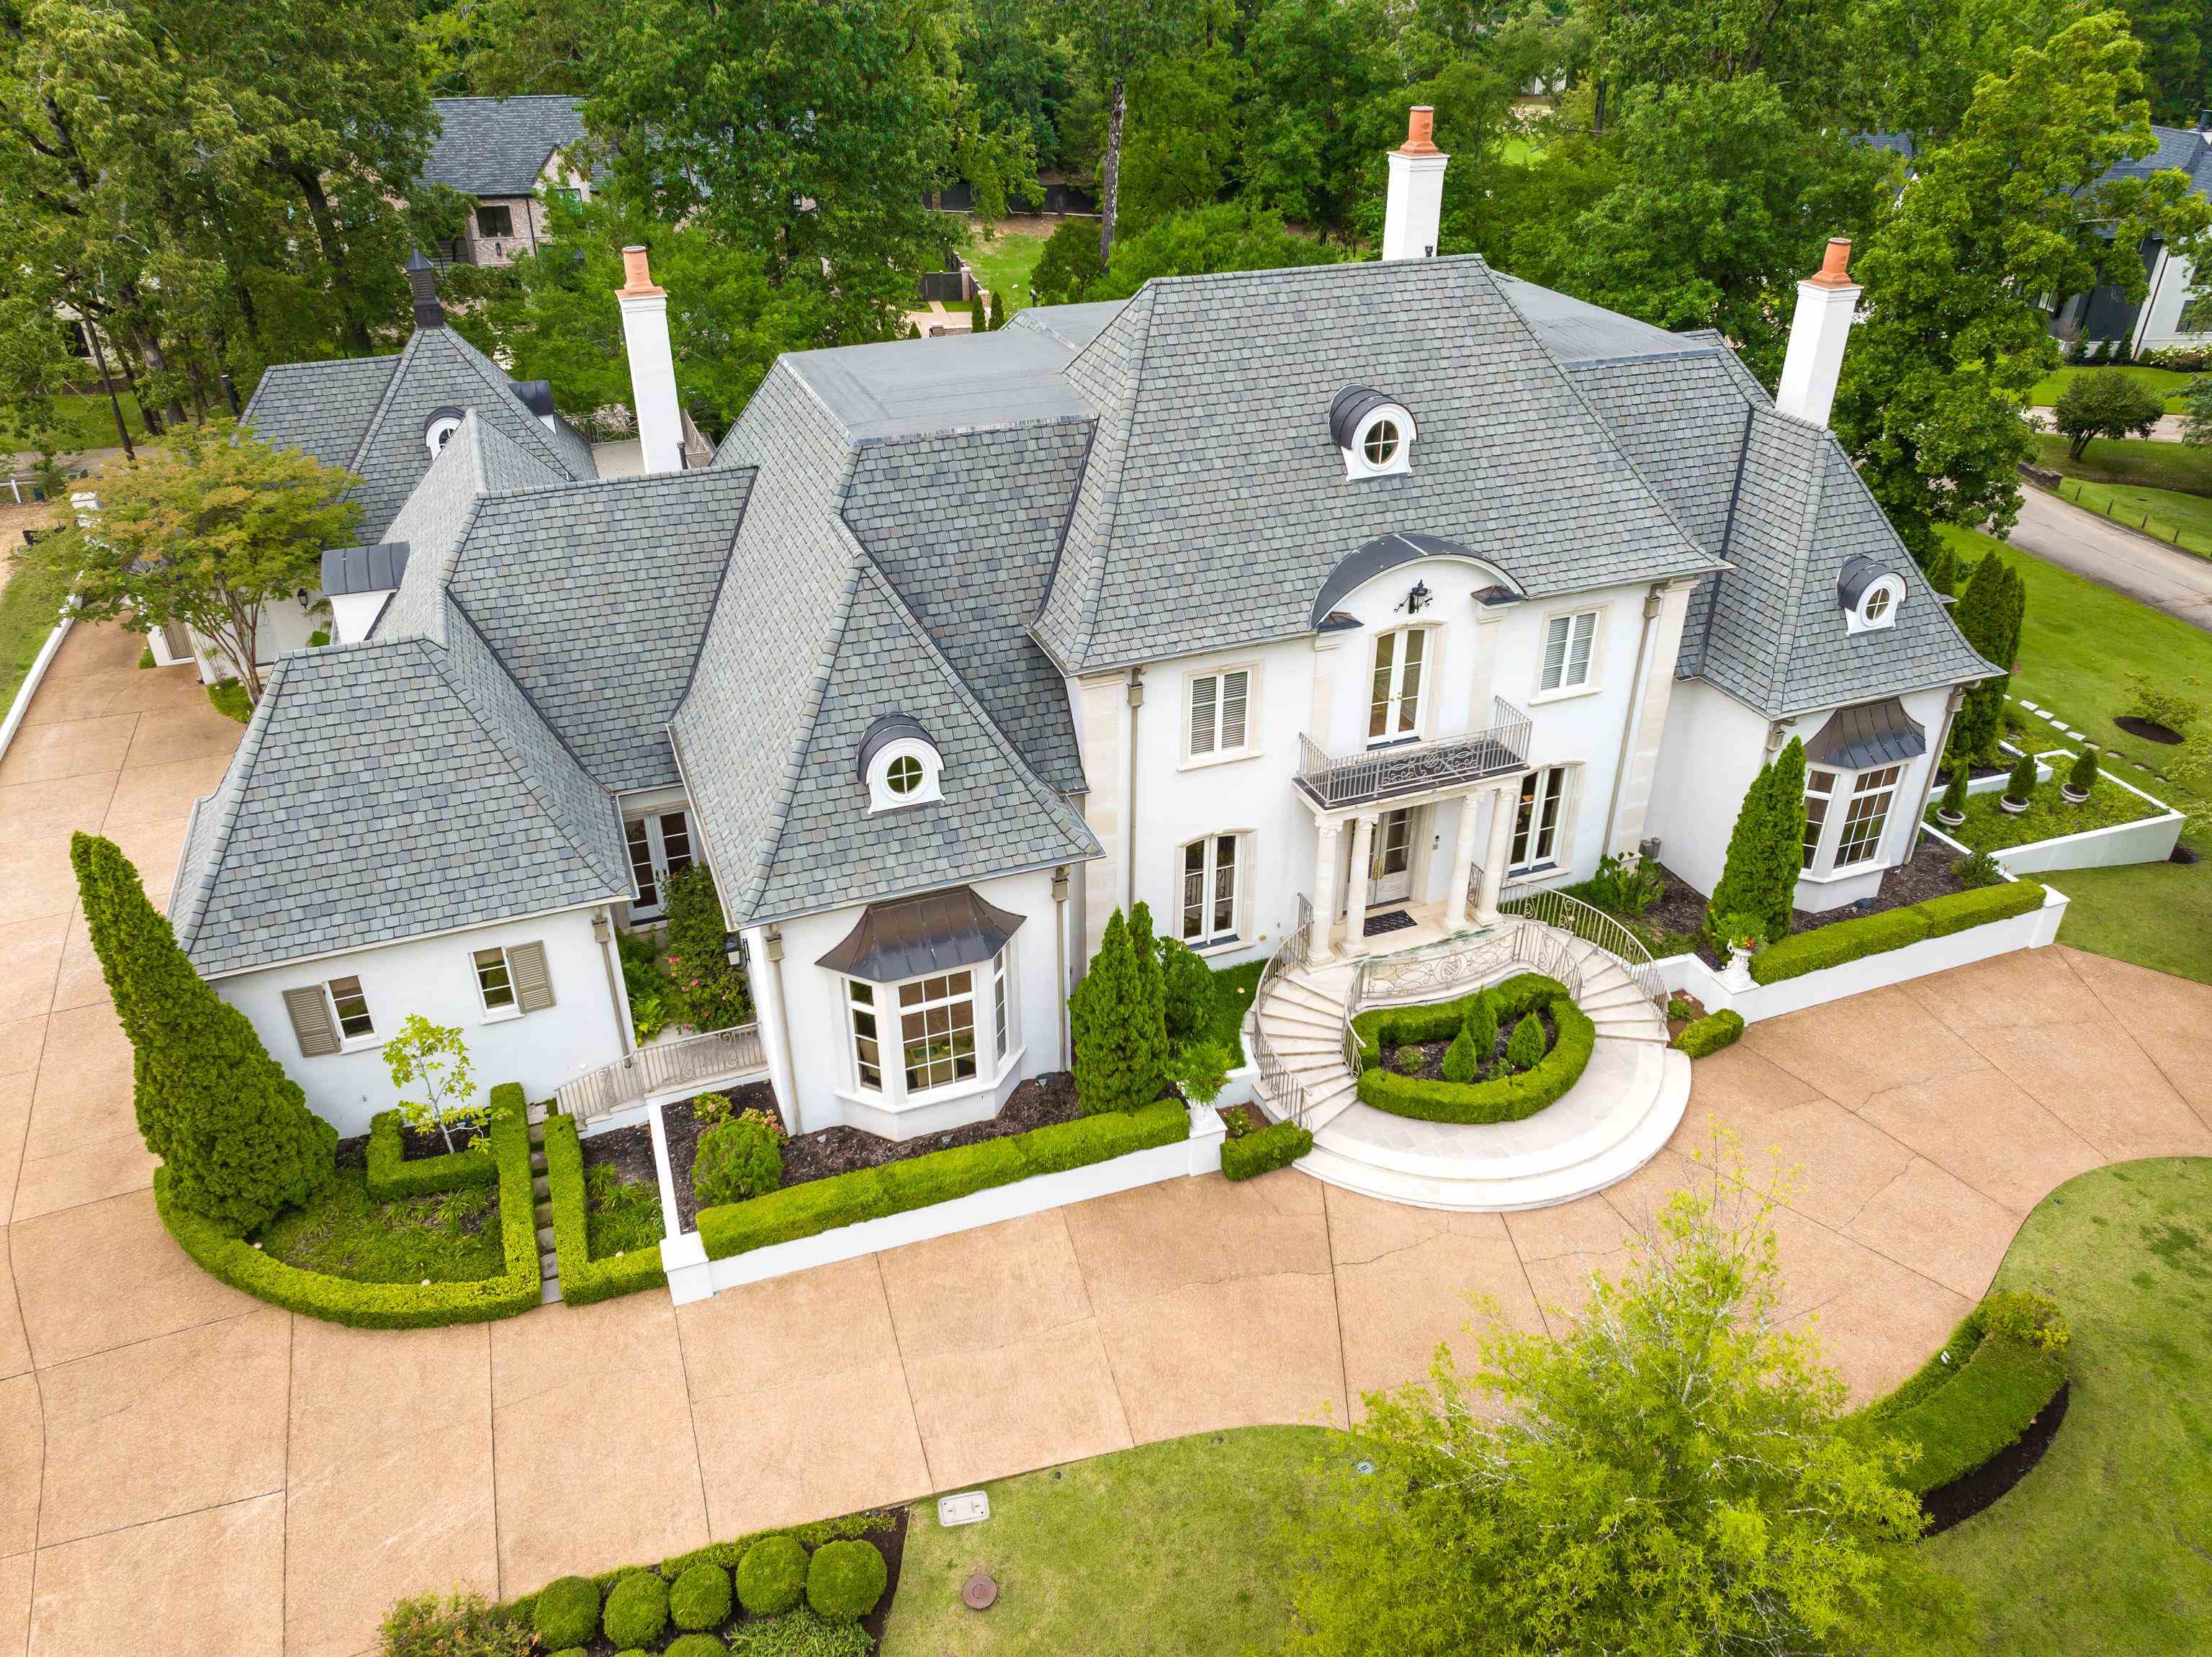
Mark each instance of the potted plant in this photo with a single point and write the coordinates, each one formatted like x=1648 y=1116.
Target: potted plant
x=2081 y=779
x=1951 y=813
x=1744 y=934
x=2019 y=786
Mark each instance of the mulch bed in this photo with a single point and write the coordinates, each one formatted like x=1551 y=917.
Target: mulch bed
x=629 y=1149
x=1967 y=1494
x=417 y=1145
x=1432 y=1052
x=1038 y=1103
x=1249 y=1115
x=2149 y=730
x=1926 y=874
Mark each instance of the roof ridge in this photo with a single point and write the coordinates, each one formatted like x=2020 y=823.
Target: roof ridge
x=384 y=399
x=202 y=892
x=1149 y=293
x=1794 y=572
x=502 y=388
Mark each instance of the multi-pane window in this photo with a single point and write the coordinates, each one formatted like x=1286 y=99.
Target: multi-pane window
x=659 y=846
x=1536 y=819
x=1568 y=641
x=867 y=1048
x=1393 y=707
x=1819 y=788
x=937 y=1030
x=494 y=221
x=1220 y=710
x=999 y=1019
x=1867 y=815
x=1209 y=890
x=1380 y=443
x=351 y=1007
x=494 y=982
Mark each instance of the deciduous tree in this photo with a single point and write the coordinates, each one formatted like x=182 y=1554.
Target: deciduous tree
x=1116 y=39
x=430 y=1063
x=2106 y=404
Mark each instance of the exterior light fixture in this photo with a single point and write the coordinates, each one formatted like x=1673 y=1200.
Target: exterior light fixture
x=1418 y=599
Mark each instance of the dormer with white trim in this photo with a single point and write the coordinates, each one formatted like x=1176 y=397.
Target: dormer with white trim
x=1868 y=595
x=900 y=764
x=1373 y=432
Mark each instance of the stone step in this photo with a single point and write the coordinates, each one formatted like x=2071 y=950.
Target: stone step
x=1657 y=1038
x=1294 y=1020
x=537 y=1132
x=538 y=1161
x=541 y=1188
x=544 y=1240
x=1290 y=994
x=1621 y=994
x=543 y=1213
x=549 y=1292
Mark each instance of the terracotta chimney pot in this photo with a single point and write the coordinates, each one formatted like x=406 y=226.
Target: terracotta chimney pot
x=1833 y=271
x=1420 y=129
x=637 y=275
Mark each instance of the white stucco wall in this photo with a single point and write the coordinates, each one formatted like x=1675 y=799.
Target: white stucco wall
x=823 y=1088
x=1322 y=687
x=436 y=978
x=2159 y=322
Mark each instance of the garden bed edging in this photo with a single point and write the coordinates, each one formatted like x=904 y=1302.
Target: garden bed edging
x=2031 y=930
x=2146 y=840
x=693 y=1276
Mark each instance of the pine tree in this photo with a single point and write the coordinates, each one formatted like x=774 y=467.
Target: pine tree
x=1149 y=1052
x=975 y=323
x=235 y=1132
x=1482 y=1028
x=1954 y=792
x=1989 y=613
x=1120 y=1053
x=1785 y=841
x=1942 y=571
x=1462 y=1062
x=1742 y=888
x=1524 y=1048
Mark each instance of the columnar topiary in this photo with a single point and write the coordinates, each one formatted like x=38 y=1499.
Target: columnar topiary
x=1188 y=984
x=235 y=1132
x=844 y=1580
x=2019 y=786
x=1463 y=1062
x=1151 y=976
x=2083 y=776
x=637 y=1610
x=1765 y=849
x=699 y=1596
x=1989 y=612
x=1481 y=1026
x=1524 y=1048
x=567 y=1612
x=1120 y=1031
x=1954 y=804
x=772 y=1575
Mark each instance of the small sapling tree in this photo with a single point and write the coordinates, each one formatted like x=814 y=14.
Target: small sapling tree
x=429 y=1064
x=1524 y=1048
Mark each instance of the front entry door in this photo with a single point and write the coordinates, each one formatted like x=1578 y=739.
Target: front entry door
x=1391 y=865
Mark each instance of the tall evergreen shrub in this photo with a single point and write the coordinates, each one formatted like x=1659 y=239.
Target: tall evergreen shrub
x=235 y=1132
x=1119 y=1037
x=1765 y=849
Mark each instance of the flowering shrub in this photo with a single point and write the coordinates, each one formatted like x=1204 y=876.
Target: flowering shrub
x=712 y=992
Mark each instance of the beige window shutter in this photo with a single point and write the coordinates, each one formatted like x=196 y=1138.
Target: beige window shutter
x=533 y=985
x=311 y=1020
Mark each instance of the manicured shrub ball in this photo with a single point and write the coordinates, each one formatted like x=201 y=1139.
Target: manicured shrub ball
x=637 y=1610
x=567 y=1613
x=845 y=1579
x=695 y=1645
x=772 y=1575
x=699 y=1597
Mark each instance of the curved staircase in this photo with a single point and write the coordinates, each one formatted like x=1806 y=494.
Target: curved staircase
x=1609 y=1124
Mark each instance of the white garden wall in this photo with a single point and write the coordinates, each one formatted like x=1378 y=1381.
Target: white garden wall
x=2146 y=840
x=436 y=978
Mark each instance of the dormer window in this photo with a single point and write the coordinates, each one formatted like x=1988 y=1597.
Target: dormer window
x=900 y=764
x=1868 y=595
x=439 y=430
x=1373 y=433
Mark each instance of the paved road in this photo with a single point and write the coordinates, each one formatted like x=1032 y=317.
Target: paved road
x=186 y=1471
x=2162 y=576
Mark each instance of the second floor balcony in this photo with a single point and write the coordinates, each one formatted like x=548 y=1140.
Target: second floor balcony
x=1405 y=769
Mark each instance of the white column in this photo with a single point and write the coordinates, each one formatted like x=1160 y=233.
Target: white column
x=1355 y=902
x=1327 y=843
x=764 y=951
x=1493 y=860
x=1462 y=866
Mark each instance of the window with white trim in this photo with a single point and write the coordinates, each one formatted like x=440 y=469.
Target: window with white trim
x=351 y=1007
x=867 y=1044
x=904 y=772
x=1209 y=868
x=1569 y=642
x=1537 y=828
x=659 y=846
x=1394 y=701
x=937 y=1030
x=1819 y=788
x=1220 y=714
x=934 y=1026
x=1867 y=815
x=494 y=983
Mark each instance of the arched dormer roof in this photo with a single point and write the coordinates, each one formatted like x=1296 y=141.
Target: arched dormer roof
x=1386 y=552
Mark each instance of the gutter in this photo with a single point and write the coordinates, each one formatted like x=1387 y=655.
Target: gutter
x=1129 y=824
x=1631 y=727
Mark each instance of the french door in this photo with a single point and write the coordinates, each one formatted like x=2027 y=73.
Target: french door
x=1393 y=705
x=659 y=846
x=1389 y=860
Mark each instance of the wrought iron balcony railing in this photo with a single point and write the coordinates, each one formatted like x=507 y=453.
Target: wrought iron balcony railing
x=1410 y=768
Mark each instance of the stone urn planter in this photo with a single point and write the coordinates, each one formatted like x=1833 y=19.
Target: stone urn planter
x=1951 y=820
x=2072 y=795
x=1736 y=975
x=2010 y=807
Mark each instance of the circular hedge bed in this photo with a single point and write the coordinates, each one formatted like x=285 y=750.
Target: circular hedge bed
x=1514 y=1080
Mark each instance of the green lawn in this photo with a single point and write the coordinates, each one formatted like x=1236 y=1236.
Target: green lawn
x=451 y=1238
x=82 y=422
x=1170 y=1548
x=2183 y=520
x=1990 y=827
x=2169 y=383
x=30 y=604
x=2103 y=1547
x=1003 y=262
x=2132 y=461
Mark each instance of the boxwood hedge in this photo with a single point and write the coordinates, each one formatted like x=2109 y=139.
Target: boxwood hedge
x=391 y=1177
x=584 y=1280
x=1977 y=1394
x=1506 y=1099
x=1710 y=1033
x=1275 y=1147
x=1872 y=934
x=823 y=1205
x=386 y=1306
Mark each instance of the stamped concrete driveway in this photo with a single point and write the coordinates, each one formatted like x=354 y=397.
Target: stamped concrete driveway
x=184 y=1471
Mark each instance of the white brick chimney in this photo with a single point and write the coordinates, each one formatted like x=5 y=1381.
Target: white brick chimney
x=652 y=365
x=1415 y=205
x=1827 y=301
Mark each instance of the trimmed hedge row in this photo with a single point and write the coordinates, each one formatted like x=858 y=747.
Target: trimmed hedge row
x=1274 y=1147
x=386 y=1306
x=1710 y=1033
x=1972 y=1399
x=584 y=1280
x=1873 y=934
x=922 y=1181
x=1506 y=1099
x=391 y=1177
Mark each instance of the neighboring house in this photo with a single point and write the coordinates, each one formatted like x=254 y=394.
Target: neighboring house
x=1364 y=591
x=502 y=151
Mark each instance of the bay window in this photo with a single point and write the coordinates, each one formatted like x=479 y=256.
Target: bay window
x=1819 y=788
x=945 y=1029
x=1865 y=816
x=1846 y=815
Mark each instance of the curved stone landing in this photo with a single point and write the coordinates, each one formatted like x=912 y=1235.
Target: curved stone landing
x=1629 y=1101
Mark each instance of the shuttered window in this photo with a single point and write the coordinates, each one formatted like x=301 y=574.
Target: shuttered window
x=311 y=1020
x=1568 y=641
x=514 y=979
x=1220 y=711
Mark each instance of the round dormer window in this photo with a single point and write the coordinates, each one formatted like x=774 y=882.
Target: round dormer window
x=1868 y=595
x=899 y=764
x=902 y=775
x=1373 y=431
x=439 y=430
x=1877 y=603
x=1380 y=443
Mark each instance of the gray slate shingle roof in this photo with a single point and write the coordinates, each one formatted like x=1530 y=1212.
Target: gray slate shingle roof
x=499 y=146
x=1215 y=504
x=383 y=790
x=321 y=408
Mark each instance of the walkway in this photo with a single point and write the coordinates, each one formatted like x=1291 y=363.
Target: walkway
x=186 y=1472
x=2162 y=576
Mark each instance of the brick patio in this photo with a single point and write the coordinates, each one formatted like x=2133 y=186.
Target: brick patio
x=185 y=1471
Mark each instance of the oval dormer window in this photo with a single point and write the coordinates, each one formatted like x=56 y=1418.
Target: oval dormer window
x=1372 y=432
x=1868 y=595
x=439 y=430
x=900 y=764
